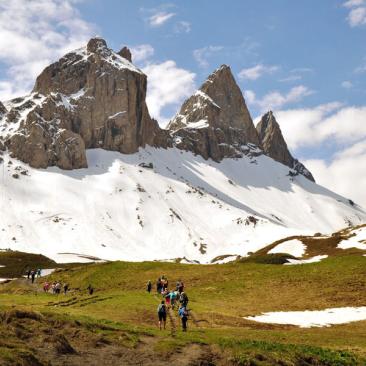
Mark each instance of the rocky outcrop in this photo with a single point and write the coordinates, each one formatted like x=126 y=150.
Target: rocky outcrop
x=215 y=121
x=90 y=98
x=126 y=53
x=274 y=144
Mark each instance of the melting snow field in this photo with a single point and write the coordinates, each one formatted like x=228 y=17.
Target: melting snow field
x=357 y=241
x=293 y=247
x=313 y=318
x=159 y=204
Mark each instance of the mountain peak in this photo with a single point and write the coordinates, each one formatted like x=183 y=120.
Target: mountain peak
x=90 y=98
x=274 y=144
x=96 y=45
x=218 y=112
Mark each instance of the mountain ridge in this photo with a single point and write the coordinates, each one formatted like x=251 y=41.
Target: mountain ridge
x=94 y=97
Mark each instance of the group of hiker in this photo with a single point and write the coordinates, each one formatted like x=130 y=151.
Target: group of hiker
x=33 y=273
x=55 y=287
x=170 y=299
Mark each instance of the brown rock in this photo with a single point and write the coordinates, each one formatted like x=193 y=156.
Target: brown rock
x=215 y=121
x=274 y=145
x=126 y=53
x=90 y=98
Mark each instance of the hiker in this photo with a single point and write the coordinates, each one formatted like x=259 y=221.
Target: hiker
x=28 y=273
x=173 y=296
x=66 y=288
x=183 y=299
x=53 y=287
x=33 y=275
x=162 y=314
x=167 y=298
x=58 y=288
x=181 y=287
x=39 y=271
x=158 y=285
x=148 y=286
x=90 y=289
x=46 y=286
x=183 y=314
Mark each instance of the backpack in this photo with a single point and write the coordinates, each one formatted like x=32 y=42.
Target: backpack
x=162 y=309
x=183 y=298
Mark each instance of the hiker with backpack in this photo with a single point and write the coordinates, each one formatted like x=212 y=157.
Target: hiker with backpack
x=173 y=296
x=162 y=310
x=148 y=286
x=183 y=314
x=183 y=299
x=159 y=285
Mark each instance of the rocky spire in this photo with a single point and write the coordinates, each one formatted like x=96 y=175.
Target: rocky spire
x=90 y=98
x=218 y=113
x=274 y=144
x=125 y=52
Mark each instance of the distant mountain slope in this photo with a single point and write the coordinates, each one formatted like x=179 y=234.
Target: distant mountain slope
x=162 y=204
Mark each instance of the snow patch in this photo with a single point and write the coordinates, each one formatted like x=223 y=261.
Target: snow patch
x=358 y=240
x=202 y=123
x=313 y=318
x=293 y=247
x=315 y=259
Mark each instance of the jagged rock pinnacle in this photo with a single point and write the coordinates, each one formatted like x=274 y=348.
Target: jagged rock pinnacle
x=274 y=144
x=217 y=113
x=125 y=52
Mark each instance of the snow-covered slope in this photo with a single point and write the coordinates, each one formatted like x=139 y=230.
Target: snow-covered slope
x=162 y=204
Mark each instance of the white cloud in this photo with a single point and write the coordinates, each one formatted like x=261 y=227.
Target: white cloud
x=255 y=72
x=182 y=27
x=345 y=173
x=275 y=100
x=142 y=52
x=357 y=14
x=341 y=127
x=290 y=78
x=168 y=85
x=158 y=19
x=329 y=122
x=362 y=68
x=202 y=54
x=353 y=3
x=347 y=84
x=33 y=34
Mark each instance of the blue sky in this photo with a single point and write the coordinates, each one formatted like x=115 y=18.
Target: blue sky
x=304 y=59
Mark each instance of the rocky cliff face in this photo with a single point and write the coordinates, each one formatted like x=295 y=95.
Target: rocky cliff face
x=274 y=145
x=90 y=98
x=215 y=121
x=95 y=98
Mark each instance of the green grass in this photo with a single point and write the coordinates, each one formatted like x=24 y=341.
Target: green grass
x=220 y=296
